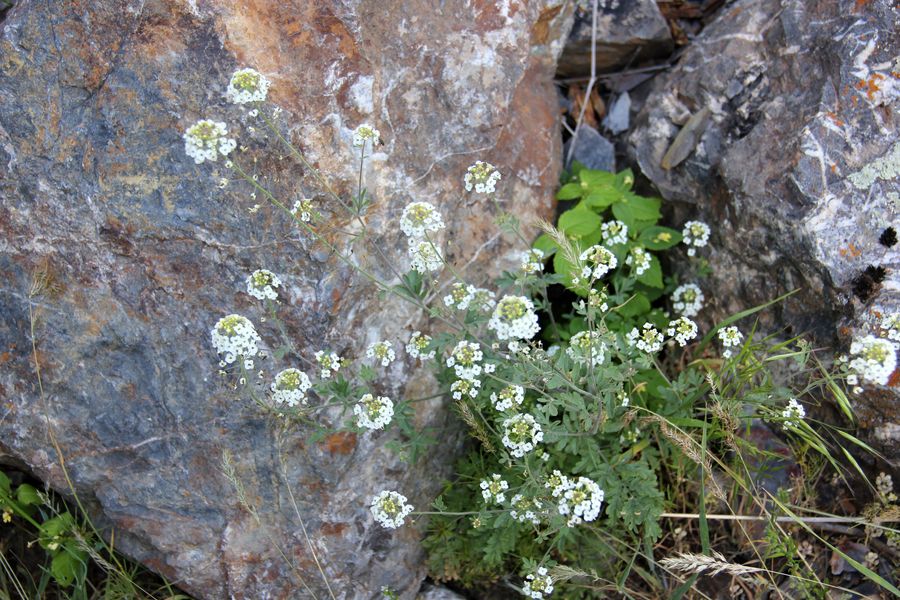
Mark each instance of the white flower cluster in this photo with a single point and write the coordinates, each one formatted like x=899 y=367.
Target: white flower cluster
x=417 y=344
x=465 y=360
x=373 y=412
x=514 y=318
x=465 y=387
x=600 y=261
x=687 y=299
x=614 y=232
x=649 y=338
x=329 y=363
x=792 y=414
x=597 y=299
x=557 y=483
x=205 y=140
x=532 y=261
x=884 y=485
x=587 y=348
x=261 y=284
x=538 y=585
x=731 y=337
x=492 y=489
x=483 y=177
x=390 y=509
x=639 y=260
x=382 y=352
x=581 y=501
x=696 y=235
x=484 y=300
x=419 y=219
x=235 y=336
x=523 y=509
x=520 y=434
x=247 y=85
x=290 y=387
x=460 y=296
x=891 y=325
x=424 y=256
x=683 y=330
x=365 y=133
x=508 y=398
x=873 y=359
x=303 y=210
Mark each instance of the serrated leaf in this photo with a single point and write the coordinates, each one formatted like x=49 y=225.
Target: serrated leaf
x=595 y=178
x=602 y=197
x=570 y=191
x=659 y=238
x=653 y=275
x=579 y=222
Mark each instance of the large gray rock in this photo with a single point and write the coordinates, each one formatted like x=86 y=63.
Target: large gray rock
x=628 y=32
x=143 y=252
x=797 y=165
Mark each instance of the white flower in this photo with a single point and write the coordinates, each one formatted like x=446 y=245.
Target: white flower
x=581 y=501
x=460 y=296
x=600 y=261
x=696 y=235
x=649 y=338
x=524 y=508
x=492 y=489
x=891 y=324
x=538 y=585
x=465 y=360
x=290 y=387
x=205 y=140
x=792 y=414
x=884 y=485
x=730 y=337
x=329 y=363
x=639 y=260
x=235 y=336
x=303 y=210
x=420 y=218
x=532 y=261
x=623 y=398
x=514 y=318
x=247 y=85
x=381 y=352
x=417 y=344
x=597 y=299
x=520 y=434
x=364 y=133
x=508 y=398
x=261 y=284
x=424 y=256
x=587 y=348
x=614 y=232
x=465 y=387
x=873 y=359
x=557 y=483
x=687 y=299
x=683 y=330
x=373 y=412
x=483 y=177
x=484 y=300
x=390 y=509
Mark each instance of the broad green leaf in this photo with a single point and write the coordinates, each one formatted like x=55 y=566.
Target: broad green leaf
x=637 y=305
x=28 y=495
x=595 y=178
x=570 y=191
x=545 y=244
x=4 y=485
x=602 y=197
x=623 y=212
x=625 y=179
x=67 y=566
x=579 y=222
x=659 y=238
x=642 y=208
x=653 y=275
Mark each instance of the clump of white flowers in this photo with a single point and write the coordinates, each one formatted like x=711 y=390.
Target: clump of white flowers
x=639 y=260
x=687 y=299
x=508 y=398
x=891 y=326
x=492 y=489
x=290 y=387
x=424 y=256
x=683 y=330
x=303 y=210
x=418 y=343
x=484 y=299
x=235 y=336
x=483 y=177
x=520 y=434
x=792 y=414
x=419 y=219
x=532 y=261
x=580 y=501
x=538 y=585
x=597 y=299
x=366 y=133
x=614 y=232
x=587 y=348
x=696 y=235
x=329 y=363
x=599 y=261
x=514 y=318
x=884 y=485
x=390 y=509
x=466 y=359
x=465 y=387
x=461 y=294
x=648 y=338
x=731 y=337
x=261 y=284
x=373 y=412
x=873 y=359
x=523 y=509
x=205 y=140
x=382 y=352
x=247 y=85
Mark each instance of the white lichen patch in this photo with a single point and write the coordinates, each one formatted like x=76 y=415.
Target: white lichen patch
x=887 y=167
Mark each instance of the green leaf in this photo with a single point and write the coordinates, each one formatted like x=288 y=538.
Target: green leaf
x=653 y=275
x=4 y=485
x=28 y=495
x=625 y=179
x=602 y=197
x=637 y=305
x=68 y=565
x=545 y=244
x=642 y=208
x=579 y=222
x=570 y=191
x=595 y=178
x=659 y=238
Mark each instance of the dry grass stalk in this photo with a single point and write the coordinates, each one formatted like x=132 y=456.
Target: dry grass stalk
x=690 y=448
x=477 y=428
x=706 y=565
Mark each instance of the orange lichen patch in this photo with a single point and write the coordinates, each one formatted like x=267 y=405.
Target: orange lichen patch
x=870 y=85
x=540 y=32
x=860 y=4
x=894 y=379
x=850 y=251
x=833 y=168
x=342 y=442
x=835 y=119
